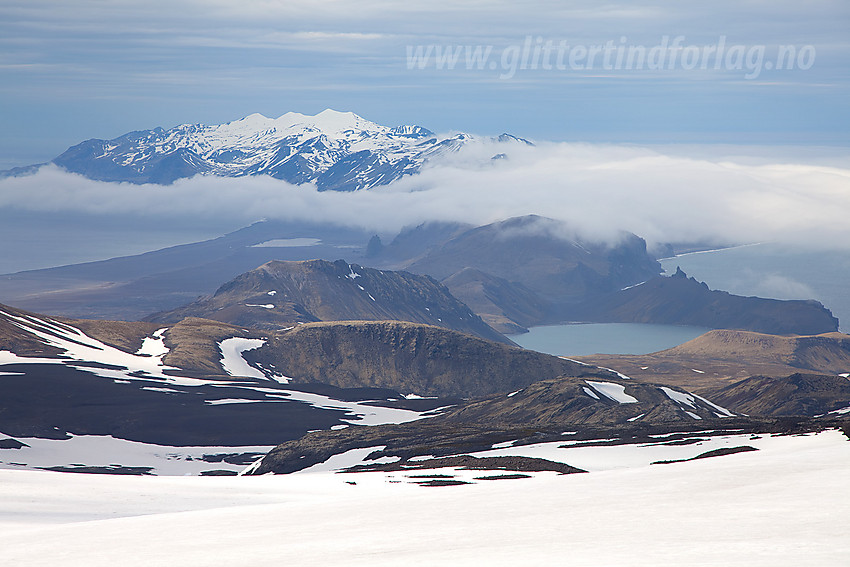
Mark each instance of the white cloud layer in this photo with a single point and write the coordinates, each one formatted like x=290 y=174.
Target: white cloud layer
x=600 y=189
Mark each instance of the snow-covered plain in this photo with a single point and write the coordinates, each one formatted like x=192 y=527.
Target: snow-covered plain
x=781 y=505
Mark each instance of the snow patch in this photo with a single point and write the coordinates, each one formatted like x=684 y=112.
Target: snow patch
x=154 y=345
x=418 y=397
x=347 y=459
x=360 y=413
x=105 y=450
x=232 y=361
x=615 y=392
x=590 y=392
x=352 y=275
x=721 y=411
x=619 y=374
x=841 y=411
x=679 y=397
x=79 y=348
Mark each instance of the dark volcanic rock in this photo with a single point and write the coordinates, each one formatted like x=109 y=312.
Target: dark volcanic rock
x=505 y=306
x=723 y=451
x=798 y=394
x=10 y=443
x=544 y=256
x=282 y=294
x=468 y=462
x=436 y=438
x=51 y=400
x=680 y=300
x=407 y=357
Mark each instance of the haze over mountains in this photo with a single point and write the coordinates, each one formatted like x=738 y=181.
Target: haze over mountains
x=515 y=273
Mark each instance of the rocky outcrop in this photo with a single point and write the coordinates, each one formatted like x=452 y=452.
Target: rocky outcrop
x=680 y=300
x=409 y=358
x=279 y=295
x=545 y=256
x=798 y=394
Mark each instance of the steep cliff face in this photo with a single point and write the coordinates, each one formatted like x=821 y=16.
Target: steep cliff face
x=278 y=295
x=544 y=256
x=409 y=358
x=681 y=300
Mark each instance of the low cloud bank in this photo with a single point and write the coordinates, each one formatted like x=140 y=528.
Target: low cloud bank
x=599 y=189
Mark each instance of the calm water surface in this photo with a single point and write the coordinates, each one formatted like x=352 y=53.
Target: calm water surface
x=605 y=338
x=775 y=271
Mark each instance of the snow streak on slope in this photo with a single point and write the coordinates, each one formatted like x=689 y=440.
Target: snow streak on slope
x=615 y=392
x=80 y=348
x=362 y=413
x=232 y=361
x=690 y=400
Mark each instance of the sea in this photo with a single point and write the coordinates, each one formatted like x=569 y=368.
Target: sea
x=40 y=240
x=775 y=271
x=764 y=270
x=579 y=339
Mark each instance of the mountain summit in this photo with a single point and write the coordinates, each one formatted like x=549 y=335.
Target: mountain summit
x=338 y=151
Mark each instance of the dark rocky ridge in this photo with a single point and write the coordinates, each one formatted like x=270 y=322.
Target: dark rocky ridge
x=544 y=256
x=436 y=439
x=409 y=358
x=680 y=300
x=565 y=402
x=798 y=394
x=282 y=294
x=505 y=306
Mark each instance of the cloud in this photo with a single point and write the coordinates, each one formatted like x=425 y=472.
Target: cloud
x=598 y=189
x=782 y=287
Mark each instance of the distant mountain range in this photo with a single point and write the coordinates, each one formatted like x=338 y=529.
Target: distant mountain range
x=526 y=270
x=513 y=274
x=337 y=151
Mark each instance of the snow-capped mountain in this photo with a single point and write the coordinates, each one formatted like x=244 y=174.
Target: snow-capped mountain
x=335 y=150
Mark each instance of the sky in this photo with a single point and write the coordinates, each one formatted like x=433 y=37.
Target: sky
x=725 y=123
x=71 y=71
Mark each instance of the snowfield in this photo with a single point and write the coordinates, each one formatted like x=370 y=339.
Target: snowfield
x=106 y=451
x=781 y=505
x=232 y=361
